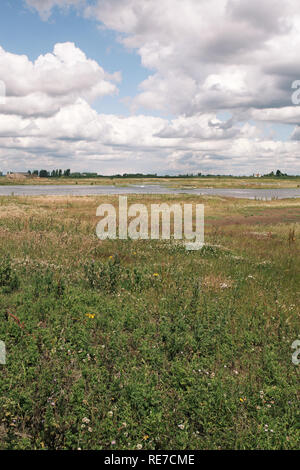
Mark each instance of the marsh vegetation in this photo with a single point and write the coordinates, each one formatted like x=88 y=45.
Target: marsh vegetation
x=141 y=344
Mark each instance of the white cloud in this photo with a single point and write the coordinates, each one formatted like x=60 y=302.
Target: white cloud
x=52 y=81
x=80 y=138
x=209 y=55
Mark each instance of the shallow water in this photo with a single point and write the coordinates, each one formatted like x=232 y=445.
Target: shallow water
x=77 y=190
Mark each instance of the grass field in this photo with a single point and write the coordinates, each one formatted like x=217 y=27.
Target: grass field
x=143 y=345
x=223 y=182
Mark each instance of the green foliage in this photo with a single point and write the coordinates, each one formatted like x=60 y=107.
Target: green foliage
x=111 y=277
x=103 y=276
x=9 y=280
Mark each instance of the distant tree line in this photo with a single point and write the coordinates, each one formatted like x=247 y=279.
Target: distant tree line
x=61 y=174
x=67 y=174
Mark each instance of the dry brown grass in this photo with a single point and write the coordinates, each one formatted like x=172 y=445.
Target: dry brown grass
x=65 y=226
x=225 y=182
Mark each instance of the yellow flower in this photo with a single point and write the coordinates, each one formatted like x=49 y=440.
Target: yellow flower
x=155 y=274
x=146 y=437
x=90 y=315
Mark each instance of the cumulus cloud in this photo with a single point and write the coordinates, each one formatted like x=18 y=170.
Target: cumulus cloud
x=204 y=127
x=54 y=80
x=79 y=137
x=209 y=55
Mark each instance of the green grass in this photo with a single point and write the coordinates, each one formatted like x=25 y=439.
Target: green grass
x=125 y=344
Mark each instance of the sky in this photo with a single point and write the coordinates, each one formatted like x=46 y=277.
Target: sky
x=152 y=86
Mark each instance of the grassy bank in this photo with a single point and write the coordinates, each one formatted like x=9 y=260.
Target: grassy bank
x=222 y=182
x=126 y=345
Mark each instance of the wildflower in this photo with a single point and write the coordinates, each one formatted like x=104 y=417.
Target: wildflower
x=90 y=315
x=110 y=414
x=86 y=420
x=155 y=274
x=181 y=426
x=113 y=443
x=139 y=446
x=145 y=437
x=90 y=429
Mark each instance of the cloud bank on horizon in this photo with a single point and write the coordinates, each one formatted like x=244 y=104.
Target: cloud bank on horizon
x=221 y=70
